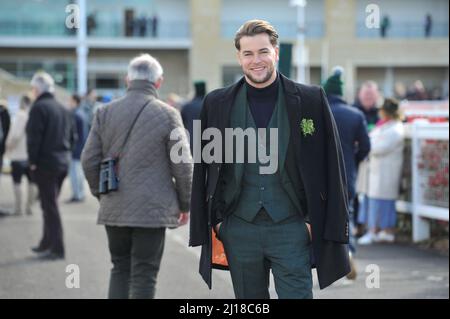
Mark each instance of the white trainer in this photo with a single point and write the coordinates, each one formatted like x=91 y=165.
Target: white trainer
x=367 y=239
x=385 y=237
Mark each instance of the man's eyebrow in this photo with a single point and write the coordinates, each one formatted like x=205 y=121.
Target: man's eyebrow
x=249 y=51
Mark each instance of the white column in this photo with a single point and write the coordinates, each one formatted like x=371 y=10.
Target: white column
x=420 y=226
x=445 y=84
x=349 y=80
x=388 y=89
x=301 y=52
x=82 y=49
x=324 y=60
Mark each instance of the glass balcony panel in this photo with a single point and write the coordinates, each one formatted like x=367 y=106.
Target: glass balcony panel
x=403 y=30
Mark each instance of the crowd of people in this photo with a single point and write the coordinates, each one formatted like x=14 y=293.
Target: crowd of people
x=372 y=139
x=417 y=92
x=44 y=141
x=47 y=141
x=16 y=135
x=371 y=136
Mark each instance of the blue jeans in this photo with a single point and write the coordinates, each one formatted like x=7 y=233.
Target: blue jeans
x=76 y=179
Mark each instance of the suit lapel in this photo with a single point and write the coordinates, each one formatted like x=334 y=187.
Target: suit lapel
x=239 y=120
x=224 y=111
x=294 y=112
x=283 y=129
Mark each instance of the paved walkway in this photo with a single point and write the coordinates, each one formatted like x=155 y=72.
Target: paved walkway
x=405 y=271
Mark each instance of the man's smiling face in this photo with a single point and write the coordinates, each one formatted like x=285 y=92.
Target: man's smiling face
x=258 y=58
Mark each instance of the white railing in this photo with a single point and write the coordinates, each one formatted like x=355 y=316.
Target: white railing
x=429 y=163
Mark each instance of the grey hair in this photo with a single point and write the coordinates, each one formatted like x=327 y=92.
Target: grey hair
x=43 y=82
x=145 y=67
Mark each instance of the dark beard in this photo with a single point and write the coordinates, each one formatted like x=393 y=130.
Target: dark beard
x=266 y=78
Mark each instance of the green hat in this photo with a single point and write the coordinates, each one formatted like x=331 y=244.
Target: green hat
x=200 y=88
x=334 y=84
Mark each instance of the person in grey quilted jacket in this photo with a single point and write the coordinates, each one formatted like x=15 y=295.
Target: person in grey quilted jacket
x=154 y=191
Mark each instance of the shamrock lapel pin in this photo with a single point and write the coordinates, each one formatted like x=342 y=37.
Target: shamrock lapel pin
x=307 y=126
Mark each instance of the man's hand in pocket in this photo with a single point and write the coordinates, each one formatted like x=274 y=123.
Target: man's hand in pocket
x=217 y=227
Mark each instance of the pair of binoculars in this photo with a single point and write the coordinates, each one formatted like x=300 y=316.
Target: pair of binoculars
x=108 y=177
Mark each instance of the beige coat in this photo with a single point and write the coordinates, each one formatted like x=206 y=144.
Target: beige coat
x=152 y=189
x=16 y=143
x=385 y=160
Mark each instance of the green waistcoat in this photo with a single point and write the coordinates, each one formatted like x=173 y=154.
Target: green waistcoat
x=244 y=191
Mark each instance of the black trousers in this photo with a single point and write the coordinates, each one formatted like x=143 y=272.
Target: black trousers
x=49 y=184
x=20 y=168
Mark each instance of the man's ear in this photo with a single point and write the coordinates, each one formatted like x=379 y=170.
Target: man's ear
x=127 y=81
x=159 y=82
x=277 y=53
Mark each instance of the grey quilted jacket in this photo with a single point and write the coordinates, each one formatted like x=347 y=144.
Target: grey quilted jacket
x=152 y=189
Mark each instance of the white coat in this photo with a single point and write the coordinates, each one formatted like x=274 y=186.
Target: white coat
x=385 y=160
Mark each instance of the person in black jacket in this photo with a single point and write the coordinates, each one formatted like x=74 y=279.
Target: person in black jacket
x=50 y=137
x=352 y=127
x=355 y=141
x=286 y=220
x=191 y=110
x=5 y=122
x=75 y=171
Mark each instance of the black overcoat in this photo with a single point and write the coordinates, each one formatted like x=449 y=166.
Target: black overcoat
x=315 y=166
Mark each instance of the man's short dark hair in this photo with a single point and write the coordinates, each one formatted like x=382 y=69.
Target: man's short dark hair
x=391 y=108
x=254 y=27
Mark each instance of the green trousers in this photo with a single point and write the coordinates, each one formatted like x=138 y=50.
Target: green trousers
x=253 y=249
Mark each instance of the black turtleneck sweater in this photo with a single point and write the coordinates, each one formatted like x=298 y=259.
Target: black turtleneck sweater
x=262 y=102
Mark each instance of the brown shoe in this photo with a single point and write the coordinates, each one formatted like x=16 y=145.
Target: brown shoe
x=353 y=273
